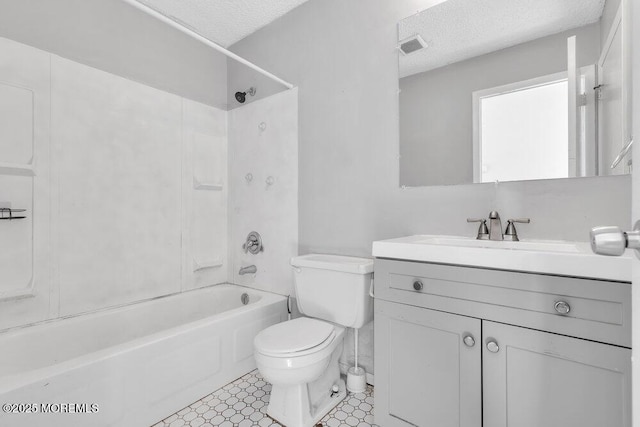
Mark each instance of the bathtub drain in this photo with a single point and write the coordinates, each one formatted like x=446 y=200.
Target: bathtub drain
x=244 y=298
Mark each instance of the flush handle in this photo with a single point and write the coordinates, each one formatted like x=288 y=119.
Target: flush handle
x=417 y=285
x=562 y=307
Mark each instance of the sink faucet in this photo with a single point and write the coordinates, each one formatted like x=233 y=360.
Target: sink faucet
x=495 y=226
x=494 y=231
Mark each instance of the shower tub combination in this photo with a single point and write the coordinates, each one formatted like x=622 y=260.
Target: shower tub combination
x=133 y=365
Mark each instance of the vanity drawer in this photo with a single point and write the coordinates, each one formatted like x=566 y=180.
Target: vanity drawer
x=585 y=308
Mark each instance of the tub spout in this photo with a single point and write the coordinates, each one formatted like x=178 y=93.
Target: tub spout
x=248 y=270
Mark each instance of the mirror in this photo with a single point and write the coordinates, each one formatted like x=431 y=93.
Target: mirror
x=504 y=90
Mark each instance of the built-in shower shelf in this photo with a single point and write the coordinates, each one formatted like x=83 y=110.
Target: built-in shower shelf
x=16 y=169
x=210 y=186
x=16 y=294
x=211 y=263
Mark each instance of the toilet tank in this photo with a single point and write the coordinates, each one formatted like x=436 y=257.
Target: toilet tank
x=334 y=288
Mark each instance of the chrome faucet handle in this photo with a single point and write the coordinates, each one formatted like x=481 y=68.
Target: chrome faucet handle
x=510 y=233
x=477 y=220
x=521 y=220
x=253 y=244
x=483 y=231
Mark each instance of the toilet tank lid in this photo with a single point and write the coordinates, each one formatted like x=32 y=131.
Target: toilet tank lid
x=346 y=264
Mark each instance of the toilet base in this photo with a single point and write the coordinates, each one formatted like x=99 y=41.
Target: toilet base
x=303 y=405
x=290 y=405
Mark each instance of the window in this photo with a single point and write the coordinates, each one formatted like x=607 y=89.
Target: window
x=521 y=131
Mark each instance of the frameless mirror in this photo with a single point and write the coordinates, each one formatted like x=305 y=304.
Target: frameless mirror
x=504 y=90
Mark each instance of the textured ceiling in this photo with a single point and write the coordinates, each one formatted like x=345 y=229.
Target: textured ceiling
x=224 y=21
x=461 y=29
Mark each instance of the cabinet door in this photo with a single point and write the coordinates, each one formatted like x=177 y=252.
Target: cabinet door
x=425 y=373
x=533 y=379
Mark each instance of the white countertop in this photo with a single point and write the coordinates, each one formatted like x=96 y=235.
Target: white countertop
x=536 y=256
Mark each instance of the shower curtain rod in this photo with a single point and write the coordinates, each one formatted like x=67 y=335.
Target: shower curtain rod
x=167 y=20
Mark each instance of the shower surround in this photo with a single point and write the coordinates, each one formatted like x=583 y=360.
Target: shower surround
x=113 y=216
x=263 y=152
x=128 y=200
x=127 y=196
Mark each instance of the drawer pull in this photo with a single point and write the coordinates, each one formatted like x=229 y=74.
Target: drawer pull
x=417 y=285
x=493 y=346
x=562 y=307
x=469 y=341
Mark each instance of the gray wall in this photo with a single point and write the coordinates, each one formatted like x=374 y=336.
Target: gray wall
x=435 y=152
x=342 y=56
x=112 y=36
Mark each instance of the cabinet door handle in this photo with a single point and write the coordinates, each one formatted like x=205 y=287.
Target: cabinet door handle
x=469 y=341
x=562 y=307
x=417 y=285
x=493 y=346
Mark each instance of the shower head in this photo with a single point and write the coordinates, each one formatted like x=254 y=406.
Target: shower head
x=242 y=96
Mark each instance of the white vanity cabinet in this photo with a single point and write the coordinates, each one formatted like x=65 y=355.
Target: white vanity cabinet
x=470 y=347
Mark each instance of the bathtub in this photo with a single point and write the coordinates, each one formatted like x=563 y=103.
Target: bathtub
x=133 y=365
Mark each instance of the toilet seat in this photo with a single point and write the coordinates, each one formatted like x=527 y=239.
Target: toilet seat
x=295 y=338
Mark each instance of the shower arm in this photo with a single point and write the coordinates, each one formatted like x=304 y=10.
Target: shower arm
x=175 y=24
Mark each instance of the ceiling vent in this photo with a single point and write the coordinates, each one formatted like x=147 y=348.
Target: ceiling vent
x=412 y=44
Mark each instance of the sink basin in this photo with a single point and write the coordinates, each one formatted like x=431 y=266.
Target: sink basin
x=527 y=245
x=537 y=256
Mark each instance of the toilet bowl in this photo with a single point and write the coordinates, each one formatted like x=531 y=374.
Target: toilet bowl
x=300 y=357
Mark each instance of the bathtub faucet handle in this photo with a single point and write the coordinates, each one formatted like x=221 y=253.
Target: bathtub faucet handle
x=253 y=244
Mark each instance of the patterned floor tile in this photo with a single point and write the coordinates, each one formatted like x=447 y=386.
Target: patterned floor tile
x=243 y=403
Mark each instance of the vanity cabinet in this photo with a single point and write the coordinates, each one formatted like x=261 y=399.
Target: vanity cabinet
x=533 y=378
x=424 y=361
x=470 y=347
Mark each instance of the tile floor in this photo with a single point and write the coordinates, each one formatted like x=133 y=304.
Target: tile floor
x=243 y=403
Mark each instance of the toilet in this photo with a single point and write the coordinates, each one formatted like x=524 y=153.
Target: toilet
x=300 y=357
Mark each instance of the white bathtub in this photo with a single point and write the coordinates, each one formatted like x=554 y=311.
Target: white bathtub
x=135 y=365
